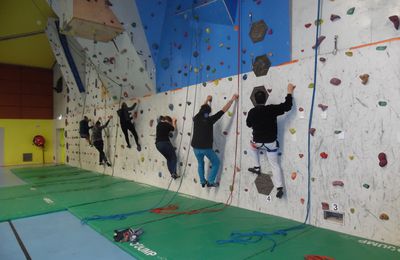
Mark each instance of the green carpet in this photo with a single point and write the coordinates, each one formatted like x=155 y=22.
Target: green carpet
x=86 y=194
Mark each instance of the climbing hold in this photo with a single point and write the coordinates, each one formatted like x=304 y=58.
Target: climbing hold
x=230 y=187
x=292 y=131
x=160 y=174
x=293 y=175
x=364 y=78
x=349 y=53
x=352 y=210
x=258 y=30
x=317 y=257
x=381 y=48
x=142 y=159
x=230 y=114
x=301 y=109
x=318 y=22
x=382 y=159
x=302 y=201
x=133 y=25
x=195 y=54
x=244 y=77
x=382 y=103
x=384 y=216
x=319 y=41
x=171 y=107
x=335 y=81
x=261 y=65
x=125 y=94
x=323 y=155
x=307 y=25
x=225 y=132
x=366 y=186
x=208 y=30
x=322 y=59
x=246 y=190
x=312 y=179
x=336 y=132
x=244 y=113
x=323 y=107
x=194 y=180
x=351 y=157
x=151 y=122
x=325 y=206
x=165 y=63
x=311 y=85
x=351 y=11
x=301 y=155
x=155 y=46
x=312 y=131
x=338 y=183
x=395 y=20
x=334 y=17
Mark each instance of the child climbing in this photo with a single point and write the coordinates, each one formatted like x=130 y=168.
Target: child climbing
x=202 y=141
x=84 y=129
x=97 y=140
x=126 y=124
x=262 y=119
x=164 y=145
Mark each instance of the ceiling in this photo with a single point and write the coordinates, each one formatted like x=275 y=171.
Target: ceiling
x=19 y=19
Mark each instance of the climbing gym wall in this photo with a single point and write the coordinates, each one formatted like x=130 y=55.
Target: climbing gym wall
x=353 y=136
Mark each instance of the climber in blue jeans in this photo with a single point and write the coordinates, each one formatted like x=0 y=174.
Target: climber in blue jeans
x=202 y=140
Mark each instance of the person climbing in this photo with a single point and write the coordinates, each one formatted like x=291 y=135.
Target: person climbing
x=97 y=140
x=202 y=140
x=84 y=129
x=164 y=145
x=262 y=119
x=126 y=124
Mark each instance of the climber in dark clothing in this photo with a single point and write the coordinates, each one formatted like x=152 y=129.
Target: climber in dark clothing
x=84 y=129
x=262 y=119
x=97 y=140
x=202 y=141
x=164 y=145
x=126 y=124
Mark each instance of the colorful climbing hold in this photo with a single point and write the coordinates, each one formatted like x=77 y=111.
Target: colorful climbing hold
x=244 y=77
x=364 y=78
x=301 y=109
x=312 y=131
x=325 y=206
x=382 y=103
x=311 y=85
x=349 y=53
x=302 y=201
x=171 y=107
x=293 y=175
x=351 y=11
x=160 y=174
x=395 y=20
x=323 y=107
x=318 y=22
x=384 y=216
x=352 y=210
x=292 y=131
x=301 y=155
x=351 y=157
x=208 y=30
x=335 y=81
x=382 y=159
x=381 y=48
x=225 y=133
x=323 y=155
x=338 y=183
x=307 y=25
x=319 y=41
x=334 y=17
x=322 y=59
x=366 y=186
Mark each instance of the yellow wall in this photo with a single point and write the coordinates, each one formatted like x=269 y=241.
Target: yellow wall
x=18 y=136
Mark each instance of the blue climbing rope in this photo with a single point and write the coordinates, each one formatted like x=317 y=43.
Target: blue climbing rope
x=256 y=236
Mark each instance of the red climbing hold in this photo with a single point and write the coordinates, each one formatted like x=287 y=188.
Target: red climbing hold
x=382 y=159
x=323 y=107
x=323 y=155
x=317 y=257
x=312 y=131
x=319 y=41
x=335 y=81
x=325 y=206
x=395 y=20
x=301 y=155
x=334 y=17
x=338 y=183
x=307 y=25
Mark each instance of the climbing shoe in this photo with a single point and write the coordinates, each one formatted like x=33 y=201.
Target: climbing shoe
x=279 y=193
x=108 y=164
x=204 y=184
x=256 y=170
x=139 y=148
x=213 y=184
x=175 y=176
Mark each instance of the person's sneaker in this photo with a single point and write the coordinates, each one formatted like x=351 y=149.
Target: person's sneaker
x=101 y=163
x=213 y=184
x=256 y=170
x=108 y=164
x=129 y=146
x=204 y=184
x=139 y=148
x=175 y=176
x=279 y=194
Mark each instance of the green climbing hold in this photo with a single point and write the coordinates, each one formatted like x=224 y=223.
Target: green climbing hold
x=337 y=132
x=382 y=103
x=351 y=11
x=204 y=84
x=366 y=186
x=318 y=22
x=381 y=48
x=115 y=97
x=311 y=85
x=352 y=210
x=230 y=78
x=230 y=114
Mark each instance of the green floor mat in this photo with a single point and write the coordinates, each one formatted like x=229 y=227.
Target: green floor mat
x=181 y=236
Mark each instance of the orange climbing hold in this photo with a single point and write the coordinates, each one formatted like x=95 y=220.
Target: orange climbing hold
x=318 y=257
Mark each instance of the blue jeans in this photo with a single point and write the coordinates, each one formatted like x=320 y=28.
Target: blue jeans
x=168 y=151
x=212 y=156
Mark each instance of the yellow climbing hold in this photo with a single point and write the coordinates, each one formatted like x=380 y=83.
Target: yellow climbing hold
x=292 y=131
x=230 y=114
x=351 y=157
x=216 y=82
x=349 y=53
x=311 y=85
x=142 y=159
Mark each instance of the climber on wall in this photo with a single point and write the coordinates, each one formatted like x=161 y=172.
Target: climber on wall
x=97 y=140
x=84 y=129
x=202 y=140
x=262 y=119
x=126 y=124
x=164 y=145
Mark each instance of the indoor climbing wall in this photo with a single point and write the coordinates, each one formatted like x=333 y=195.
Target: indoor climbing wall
x=354 y=133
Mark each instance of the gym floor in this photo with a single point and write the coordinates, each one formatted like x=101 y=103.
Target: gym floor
x=42 y=209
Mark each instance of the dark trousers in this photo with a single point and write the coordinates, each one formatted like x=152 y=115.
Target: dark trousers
x=129 y=126
x=168 y=151
x=100 y=146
